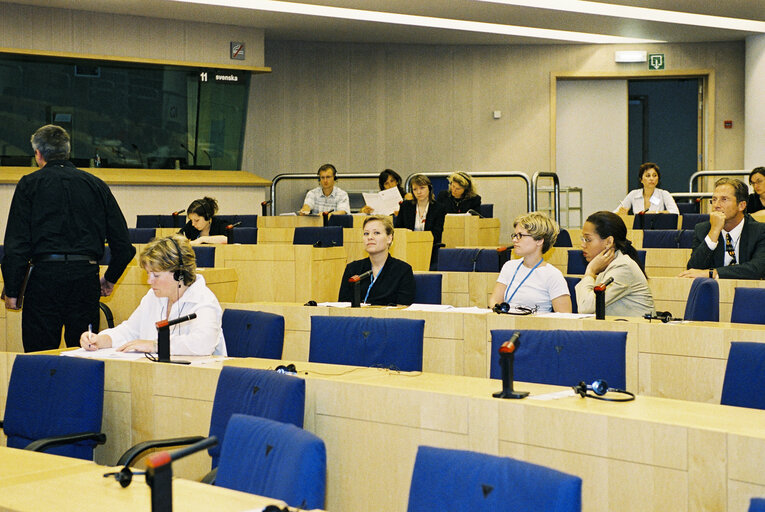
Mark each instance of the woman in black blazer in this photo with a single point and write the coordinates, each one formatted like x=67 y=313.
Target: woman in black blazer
x=461 y=196
x=422 y=213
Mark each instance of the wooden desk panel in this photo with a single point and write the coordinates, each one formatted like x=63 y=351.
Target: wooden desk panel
x=284 y=273
x=289 y=221
x=470 y=231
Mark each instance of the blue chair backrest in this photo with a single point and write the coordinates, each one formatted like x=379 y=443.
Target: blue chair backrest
x=445 y=479
x=458 y=260
x=486 y=210
x=160 y=221
x=564 y=239
x=263 y=393
x=54 y=395
x=703 y=304
x=366 y=341
x=757 y=505
x=576 y=262
x=668 y=239
x=205 y=256
x=655 y=221
x=745 y=375
x=686 y=208
x=344 y=221
x=329 y=236
x=273 y=459
x=240 y=235
x=488 y=261
x=247 y=221
x=747 y=306
x=691 y=219
x=564 y=358
x=253 y=333
x=427 y=288
x=571 y=282
x=141 y=235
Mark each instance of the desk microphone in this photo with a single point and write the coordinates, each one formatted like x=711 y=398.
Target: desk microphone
x=357 y=278
x=232 y=226
x=600 y=298
x=193 y=155
x=506 y=361
x=175 y=214
x=356 y=282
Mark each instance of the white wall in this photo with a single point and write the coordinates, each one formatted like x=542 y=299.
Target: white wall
x=754 y=144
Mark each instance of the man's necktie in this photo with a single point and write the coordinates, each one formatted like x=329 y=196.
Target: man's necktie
x=730 y=249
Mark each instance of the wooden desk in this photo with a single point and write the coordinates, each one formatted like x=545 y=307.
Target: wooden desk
x=470 y=231
x=48 y=482
x=650 y=454
x=284 y=273
x=289 y=221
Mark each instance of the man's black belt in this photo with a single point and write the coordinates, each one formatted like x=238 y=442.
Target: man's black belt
x=64 y=257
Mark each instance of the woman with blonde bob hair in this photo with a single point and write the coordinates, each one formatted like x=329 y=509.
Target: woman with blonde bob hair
x=391 y=280
x=529 y=281
x=461 y=195
x=176 y=290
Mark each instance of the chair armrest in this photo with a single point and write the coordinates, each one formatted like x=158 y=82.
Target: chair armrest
x=132 y=453
x=209 y=478
x=43 y=444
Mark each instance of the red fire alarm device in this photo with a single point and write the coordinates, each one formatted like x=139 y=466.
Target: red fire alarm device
x=728 y=124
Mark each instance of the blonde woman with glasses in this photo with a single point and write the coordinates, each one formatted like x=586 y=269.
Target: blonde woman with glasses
x=530 y=282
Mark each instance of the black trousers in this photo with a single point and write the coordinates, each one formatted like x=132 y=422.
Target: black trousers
x=59 y=294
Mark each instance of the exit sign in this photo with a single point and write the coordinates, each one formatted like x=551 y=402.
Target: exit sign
x=655 y=61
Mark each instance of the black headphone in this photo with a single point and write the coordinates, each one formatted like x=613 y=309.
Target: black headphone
x=664 y=316
x=124 y=476
x=504 y=308
x=465 y=177
x=600 y=388
x=207 y=212
x=290 y=368
x=180 y=274
x=324 y=168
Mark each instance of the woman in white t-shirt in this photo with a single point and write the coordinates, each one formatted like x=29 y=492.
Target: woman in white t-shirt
x=529 y=281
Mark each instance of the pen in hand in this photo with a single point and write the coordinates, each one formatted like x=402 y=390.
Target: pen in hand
x=91 y=344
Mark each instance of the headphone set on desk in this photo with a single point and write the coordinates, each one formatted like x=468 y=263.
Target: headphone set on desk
x=290 y=368
x=124 y=476
x=664 y=316
x=600 y=388
x=505 y=309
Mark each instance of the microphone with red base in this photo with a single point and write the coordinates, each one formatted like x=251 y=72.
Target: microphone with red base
x=159 y=473
x=600 y=298
x=355 y=280
x=175 y=217
x=232 y=226
x=264 y=207
x=163 y=337
x=506 y=361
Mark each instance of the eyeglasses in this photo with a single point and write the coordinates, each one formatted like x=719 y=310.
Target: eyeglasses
x=586 y=240
x=518 y=236
x=722 y=200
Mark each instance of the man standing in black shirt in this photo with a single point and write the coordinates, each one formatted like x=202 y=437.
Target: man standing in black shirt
x=58 y=221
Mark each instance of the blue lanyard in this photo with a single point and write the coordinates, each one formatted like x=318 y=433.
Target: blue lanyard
x=523 y=281
x=374 y=280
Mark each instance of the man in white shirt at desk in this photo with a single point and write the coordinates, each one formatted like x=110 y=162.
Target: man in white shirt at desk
x=326 y=197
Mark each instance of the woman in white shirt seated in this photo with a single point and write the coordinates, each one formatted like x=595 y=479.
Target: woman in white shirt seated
x=530 y=281
x=649 y=198
x=176 y=290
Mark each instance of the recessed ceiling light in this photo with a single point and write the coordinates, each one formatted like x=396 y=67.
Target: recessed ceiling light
x=420 y=21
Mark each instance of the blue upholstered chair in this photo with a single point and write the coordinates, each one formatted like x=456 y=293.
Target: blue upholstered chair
x=486 y=210
x=564 y=358
x=685 y=208
x=745 y=375
x=458 y=260
x=240 y=235
x=445 y=479
x=571 y=282
x=273 y=459
x=141 y=235
x=490 y=260
x=247 y=221
x=160 y=221
x=263 y=393
x=205 y=256
x=55 y=397
x=366 y=341
x=747 y=306
x=427 y=288
x=757 y=505
x=668 y=239
x=344 y=221
x=655 y=221
x=564 y=239
x=691 y=219
x=253 y=333
x=703 y=304
x=329 y=236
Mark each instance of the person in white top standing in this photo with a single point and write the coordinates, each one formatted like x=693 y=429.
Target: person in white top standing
x=649 y=198
x=530 y=281
x=326 y=198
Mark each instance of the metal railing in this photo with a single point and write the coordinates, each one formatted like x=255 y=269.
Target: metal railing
x=483 y=174
x=556 y=192
x=699 y=174
x=312 y=176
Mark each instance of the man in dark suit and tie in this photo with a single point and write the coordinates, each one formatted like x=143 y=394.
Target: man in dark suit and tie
x=732 y=244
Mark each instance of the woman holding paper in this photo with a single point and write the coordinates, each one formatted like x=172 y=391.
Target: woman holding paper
x=176 y=290
x=389 y=280
x=388 y=179
x=422 y=213
x=530 y=281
